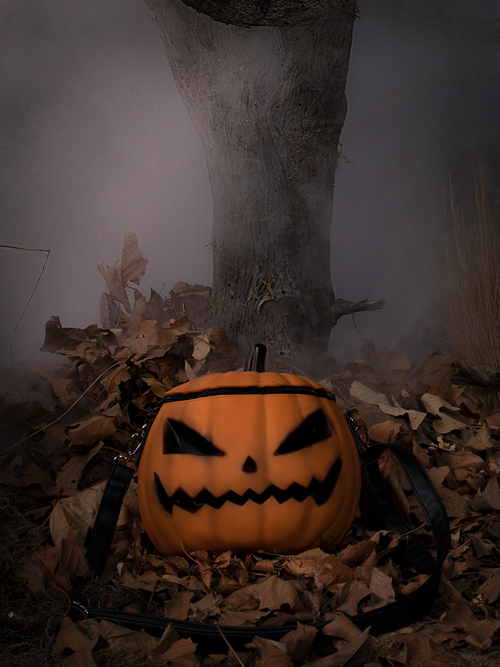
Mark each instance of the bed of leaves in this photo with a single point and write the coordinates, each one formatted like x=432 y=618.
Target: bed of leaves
x=59 y=439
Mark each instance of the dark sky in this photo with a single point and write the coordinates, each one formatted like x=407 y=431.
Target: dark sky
x=95 y=142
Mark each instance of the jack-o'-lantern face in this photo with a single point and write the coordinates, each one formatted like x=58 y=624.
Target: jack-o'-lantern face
x=248 y=461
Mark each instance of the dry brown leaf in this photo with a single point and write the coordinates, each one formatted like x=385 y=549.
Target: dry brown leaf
x=421 y=651
x=63 y=388
x=435 y=369
x=114 y=282
x=298 y=642
x=117 y=635
x=493 y=421
x=463 y=459
x=78 y=512
x=181 y=654
x=356 y=653
x=148 y=581
x=490 y=589
x=75 y=513
x=329 y=569
x=447 y=424
x=342 y=627
x=272 y=654
x=167 y=640
x=447 y=392
x=482 y=439
x=35 y=475
x=112 y=380
x=89 y=431
x=201 y=345
x=477 y=633
x=364 y=393
x=489 y=498
x=384 y=432
x=352 y=594
x=133 y=263
x=455 y=504
x=71 y=637
x=434 y=404
x=355 y=553
x=380 y=358
x=205 y=608
x=275 y=593
x=382 y=592
x=156 y=387
x=178 y=606
x=70 y=474
x=72 y=563
x=190 y=374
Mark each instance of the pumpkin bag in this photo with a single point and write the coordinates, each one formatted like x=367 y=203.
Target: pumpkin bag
x=243 y=461
x=252 y=460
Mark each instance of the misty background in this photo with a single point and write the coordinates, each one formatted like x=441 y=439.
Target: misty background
x=96 y=141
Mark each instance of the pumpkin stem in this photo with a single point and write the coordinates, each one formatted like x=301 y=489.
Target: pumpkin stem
x=256 y=360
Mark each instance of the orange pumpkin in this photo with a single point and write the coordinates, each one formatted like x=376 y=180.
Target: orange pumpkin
x=244 y=461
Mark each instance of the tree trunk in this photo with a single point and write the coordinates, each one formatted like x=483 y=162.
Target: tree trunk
x=269 y=105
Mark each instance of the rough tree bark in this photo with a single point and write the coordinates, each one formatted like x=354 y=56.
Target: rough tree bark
x=269 y=105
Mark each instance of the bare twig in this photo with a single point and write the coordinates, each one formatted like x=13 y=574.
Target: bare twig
x=43 y=428
x=342 y=307
x=11 y=362
x=230 y=647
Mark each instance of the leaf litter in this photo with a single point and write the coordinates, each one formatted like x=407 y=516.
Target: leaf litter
x=111 y=381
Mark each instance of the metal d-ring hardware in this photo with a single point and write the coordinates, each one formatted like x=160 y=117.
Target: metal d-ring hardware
x=356 y=428
x=81 y=608
x=135 y=443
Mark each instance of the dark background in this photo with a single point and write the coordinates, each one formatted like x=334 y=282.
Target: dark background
x=95 y=141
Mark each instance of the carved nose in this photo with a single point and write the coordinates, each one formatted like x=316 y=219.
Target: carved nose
x=249 y=465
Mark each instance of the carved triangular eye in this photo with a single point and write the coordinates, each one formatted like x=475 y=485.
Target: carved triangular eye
x=313 y=429
x=182 y=439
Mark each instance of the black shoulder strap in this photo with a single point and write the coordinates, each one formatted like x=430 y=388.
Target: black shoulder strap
x=397 y=614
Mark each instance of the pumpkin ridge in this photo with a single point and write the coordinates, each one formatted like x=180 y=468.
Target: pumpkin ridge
x=320 y=492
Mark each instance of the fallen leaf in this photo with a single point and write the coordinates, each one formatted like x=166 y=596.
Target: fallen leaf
x=477 y=633
x=201 y=345
x=359 y=390
x=272 y=654
x=169 y=637
x=355 y=553
x=384 y=432
x=89 y=431
x=490 y=589
x=435 y=369
x=482 y=439
x=70 y=474
x=463 y=459
x=114 y=282
x=352 y=594
x=422 y=651
x=341 y=627
x=357 y=653
x=275 y=593
x=181 y=654
x=382 y=592
x=70 y=637
x=178 y=606
x=489 y=498
x=298 y=642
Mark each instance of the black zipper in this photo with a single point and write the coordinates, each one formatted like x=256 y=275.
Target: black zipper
x=248 y=391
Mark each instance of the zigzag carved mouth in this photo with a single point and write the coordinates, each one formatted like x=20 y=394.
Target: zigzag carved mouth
x=320 y=492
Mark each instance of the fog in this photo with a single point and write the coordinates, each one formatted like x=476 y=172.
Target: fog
x=96 y=142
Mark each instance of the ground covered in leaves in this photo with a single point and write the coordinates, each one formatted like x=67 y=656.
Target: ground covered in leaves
x=66 y=421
